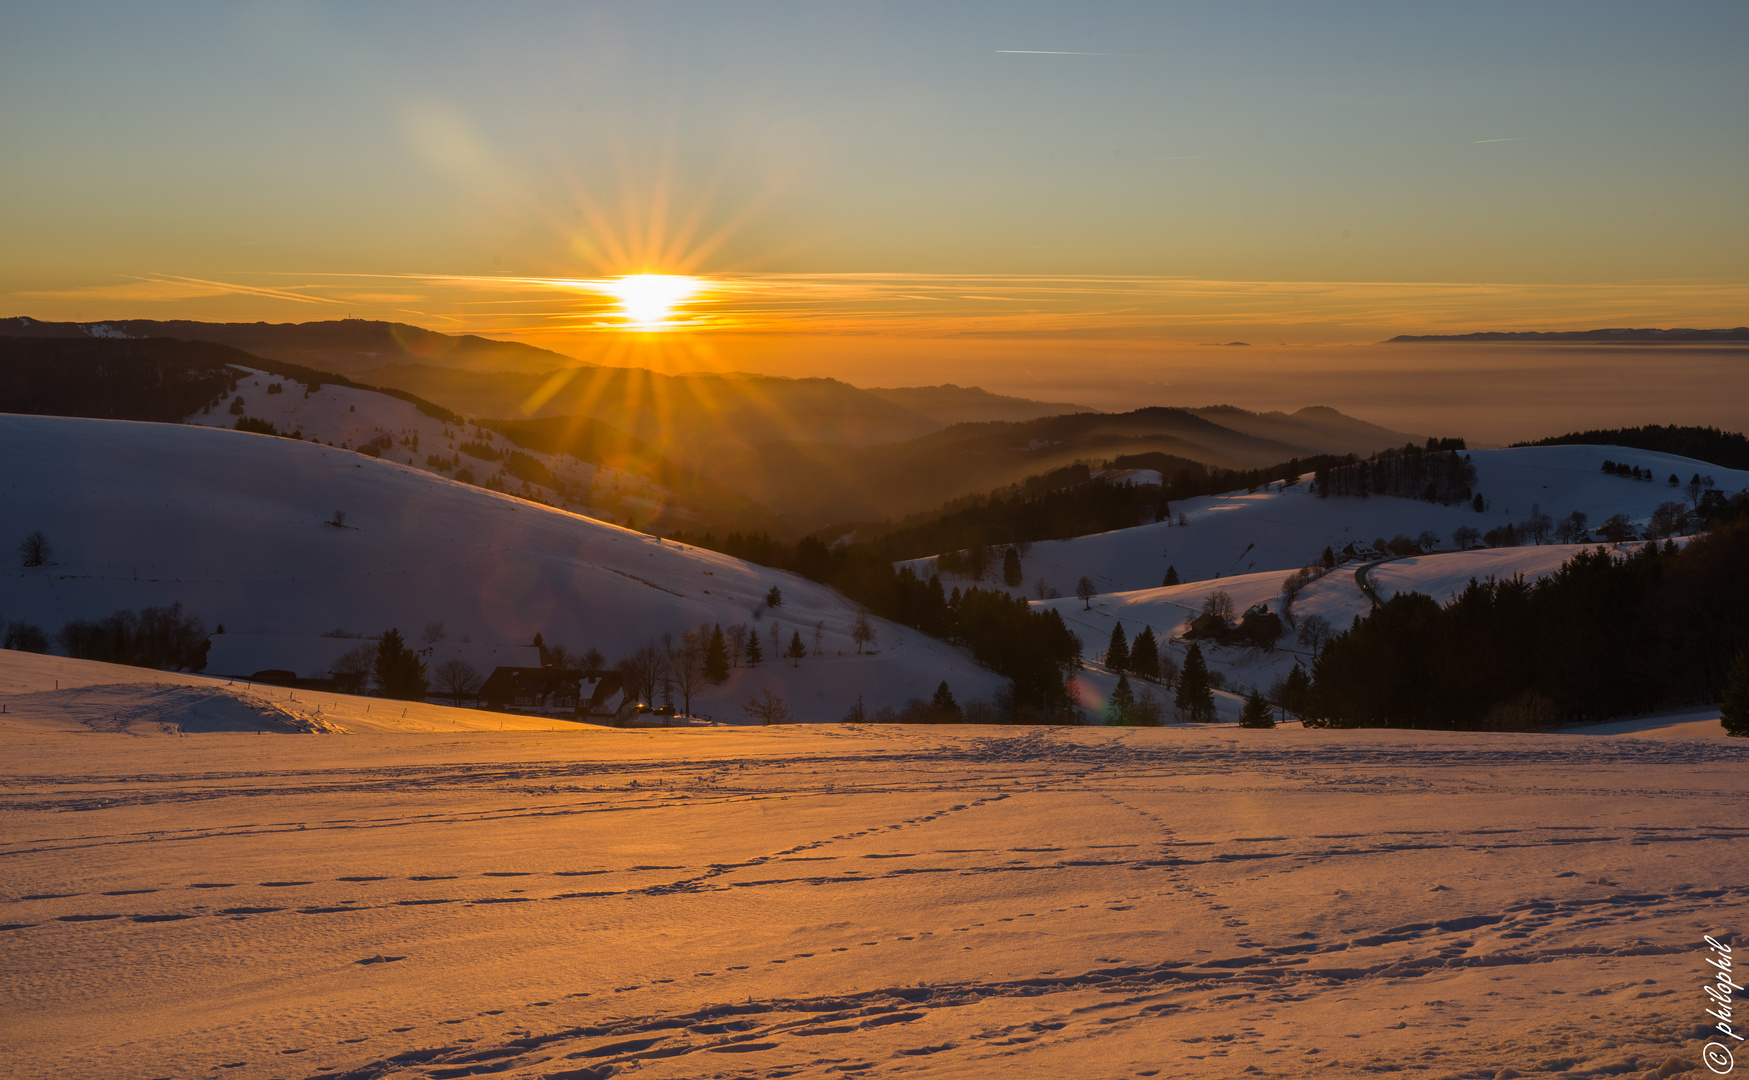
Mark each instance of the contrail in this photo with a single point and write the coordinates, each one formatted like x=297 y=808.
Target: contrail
x=1516 y=138
x=1062 y=52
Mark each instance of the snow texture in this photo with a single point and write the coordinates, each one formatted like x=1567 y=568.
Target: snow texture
x=832 y=900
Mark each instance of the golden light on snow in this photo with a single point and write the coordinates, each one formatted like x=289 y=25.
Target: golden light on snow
x=651 y=301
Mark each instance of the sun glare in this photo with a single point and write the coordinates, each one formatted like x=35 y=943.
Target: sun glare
x=649 y=301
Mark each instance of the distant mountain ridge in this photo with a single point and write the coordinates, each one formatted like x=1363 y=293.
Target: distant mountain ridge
x=815 y=452
x=1680 y=335
x=341 y=346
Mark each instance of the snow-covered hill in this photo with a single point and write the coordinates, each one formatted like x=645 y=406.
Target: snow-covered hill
x=1337 y=597
x=1278 y=530
x=396 y=430
x=237 y=527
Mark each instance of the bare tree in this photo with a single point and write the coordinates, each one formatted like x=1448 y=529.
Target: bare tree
x=768 y=708
x=592 y=660
x=642 y=670
x=1670 y=519
x=1466 y=537
x=1040 y=589
x=353 y=669
x=1428 y=540
x=863 y=633
x=1218 y=604
x=433 y=632
x=737 y=642
x=456 y=679
x=1086 y=590
x=1538 y=525
x=34 y=550
x=1314 y=632
x=820 y=638
x=686 y=668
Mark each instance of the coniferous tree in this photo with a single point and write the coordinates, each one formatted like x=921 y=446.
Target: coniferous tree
x=1117 y=653
x=1121 y=708
x=1145 y=655
x=1296 y=691
x=1734 y=717
x=943 y=700
x=1257 y=713
x=1195 y=700
x=1011 y=572
x=716 y=657
x=399 y=671
x=797 y=651
x=774 y=598
x=754 y=653
x=1171 y=577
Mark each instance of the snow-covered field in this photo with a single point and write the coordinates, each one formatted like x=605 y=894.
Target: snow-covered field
x=237 y=527
x=825 y=900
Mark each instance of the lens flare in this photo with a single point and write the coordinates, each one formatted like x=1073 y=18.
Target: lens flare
x=650 y=301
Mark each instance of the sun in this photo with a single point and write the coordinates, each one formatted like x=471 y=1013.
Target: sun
x=649 y=301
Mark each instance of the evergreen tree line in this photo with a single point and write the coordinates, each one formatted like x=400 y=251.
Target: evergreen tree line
x=1607 y=635
x=1436 y=472
x=166 y=638
x=1726 y=449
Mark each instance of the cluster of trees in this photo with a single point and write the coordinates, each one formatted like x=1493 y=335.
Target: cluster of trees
x=940 y=708
x=1034 y=649
x=266 y=427
x=1607 y=635
x=167 y=638
x=1631 y=472
x=396 y=670
x=23 y=637
x=1141 y=657
x=1436 y=472
x=976 y=561
x=1193 y=685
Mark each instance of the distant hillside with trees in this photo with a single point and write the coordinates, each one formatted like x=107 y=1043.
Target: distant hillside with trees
x=162 y=380
x=1726 y=449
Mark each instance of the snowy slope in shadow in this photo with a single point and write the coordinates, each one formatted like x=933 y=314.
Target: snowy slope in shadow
x=235 y=526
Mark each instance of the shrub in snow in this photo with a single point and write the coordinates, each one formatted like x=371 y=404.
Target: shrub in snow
x=34 y=550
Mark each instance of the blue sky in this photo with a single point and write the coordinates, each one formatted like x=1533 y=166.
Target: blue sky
x=1533 y=143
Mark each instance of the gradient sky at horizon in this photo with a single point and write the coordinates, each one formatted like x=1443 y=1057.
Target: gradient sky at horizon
x=1559 y=163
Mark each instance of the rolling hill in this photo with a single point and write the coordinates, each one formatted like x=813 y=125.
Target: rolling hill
x=237 y=527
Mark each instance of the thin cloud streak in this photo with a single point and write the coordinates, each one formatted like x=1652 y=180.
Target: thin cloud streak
x=1062 y=52
x=956 y=305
